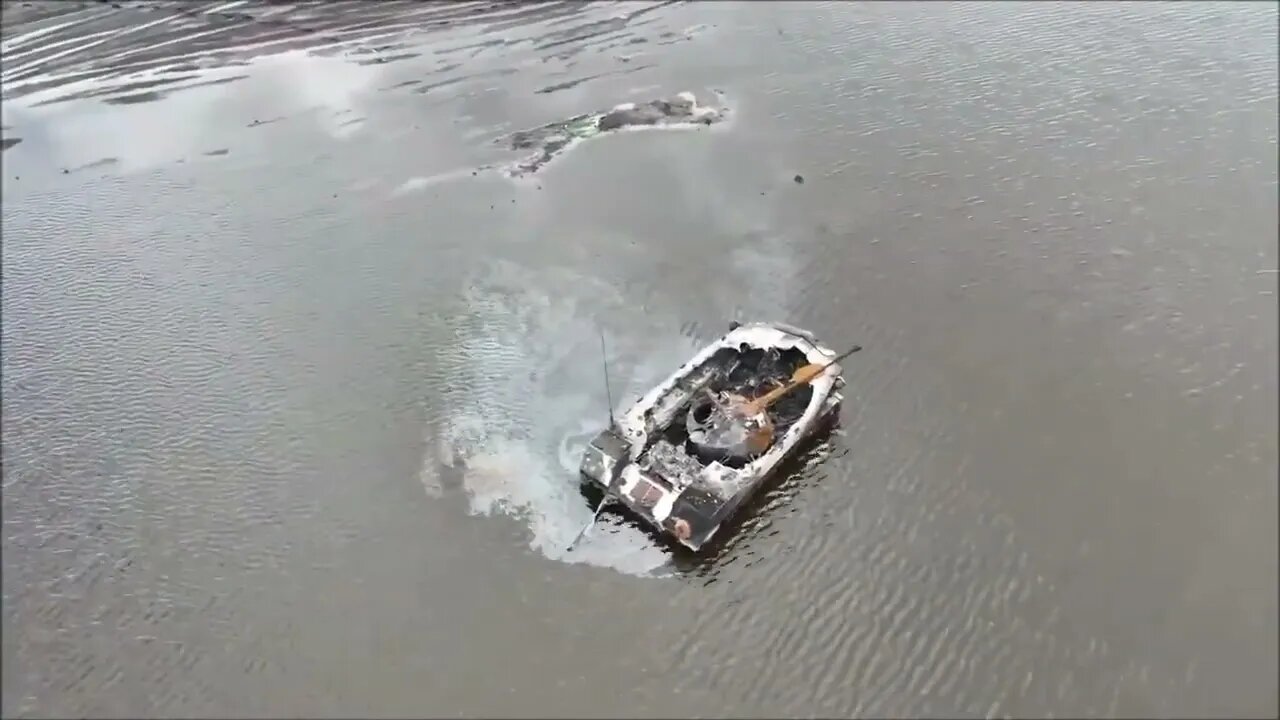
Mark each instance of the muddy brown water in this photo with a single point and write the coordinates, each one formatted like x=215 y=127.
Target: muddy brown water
x=295 y=378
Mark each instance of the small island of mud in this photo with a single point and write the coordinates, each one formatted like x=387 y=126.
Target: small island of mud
x=551 y=140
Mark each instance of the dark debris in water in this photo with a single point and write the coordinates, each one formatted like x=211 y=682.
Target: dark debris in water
x=260 y=123
x=135 y=98
x=103 y=162
x=550 y=140
x=568 y=84
x=100 y=163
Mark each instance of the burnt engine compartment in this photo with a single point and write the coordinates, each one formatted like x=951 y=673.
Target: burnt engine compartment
x=749 y=372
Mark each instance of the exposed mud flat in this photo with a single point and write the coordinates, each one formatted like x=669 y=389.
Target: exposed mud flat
x=301 y=315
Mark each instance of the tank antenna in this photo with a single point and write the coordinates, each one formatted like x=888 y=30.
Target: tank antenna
x=617 y=467
x=604 y=362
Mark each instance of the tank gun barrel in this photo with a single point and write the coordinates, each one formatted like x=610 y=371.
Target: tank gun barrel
x=802 y=376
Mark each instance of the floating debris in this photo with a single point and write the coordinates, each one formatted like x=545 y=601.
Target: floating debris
x=550 y=140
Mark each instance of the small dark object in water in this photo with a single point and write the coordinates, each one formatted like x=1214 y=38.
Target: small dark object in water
x=799 y=179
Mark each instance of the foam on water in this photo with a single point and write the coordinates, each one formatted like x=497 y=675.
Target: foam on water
x=513 y=442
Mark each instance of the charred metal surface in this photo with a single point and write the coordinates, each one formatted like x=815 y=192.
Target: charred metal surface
x=672 y=478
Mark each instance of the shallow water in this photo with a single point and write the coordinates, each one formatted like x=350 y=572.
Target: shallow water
x=296 y=375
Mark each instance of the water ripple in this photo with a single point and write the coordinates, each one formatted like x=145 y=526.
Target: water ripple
x=291 y=428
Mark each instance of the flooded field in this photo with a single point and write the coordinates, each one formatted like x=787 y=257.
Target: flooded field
x=300 y=351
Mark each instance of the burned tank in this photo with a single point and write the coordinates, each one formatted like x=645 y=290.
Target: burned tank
x=694 y=449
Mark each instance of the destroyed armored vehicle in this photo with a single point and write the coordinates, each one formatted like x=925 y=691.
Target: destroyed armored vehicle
x=695 y=448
